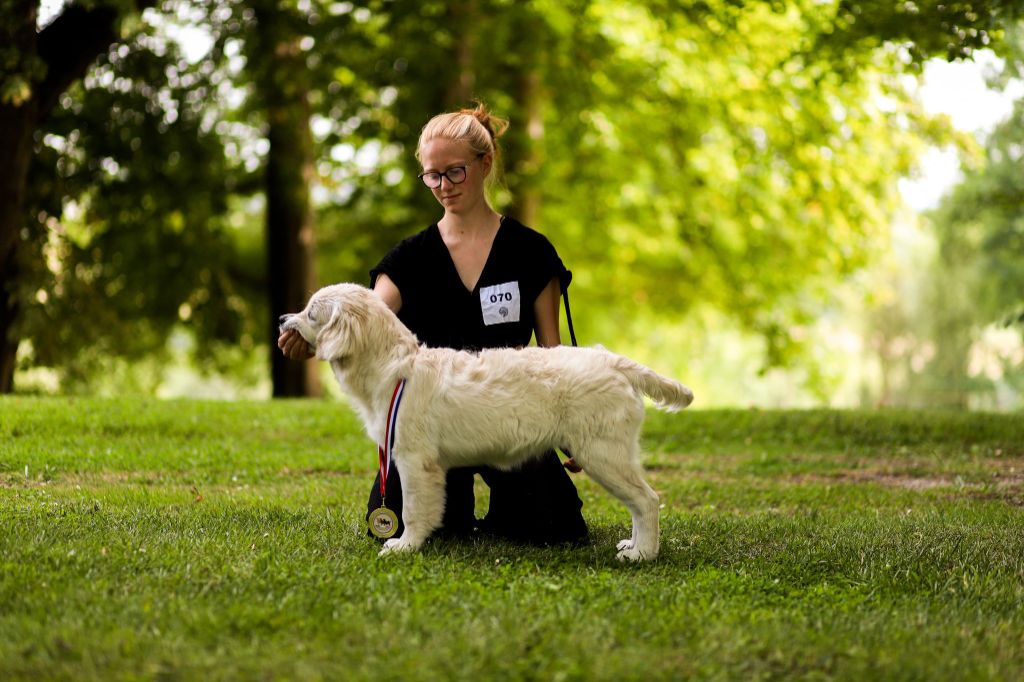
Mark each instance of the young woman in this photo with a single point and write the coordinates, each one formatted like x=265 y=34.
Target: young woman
x=473 y=280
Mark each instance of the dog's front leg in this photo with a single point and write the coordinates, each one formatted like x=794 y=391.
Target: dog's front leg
x=422 y=503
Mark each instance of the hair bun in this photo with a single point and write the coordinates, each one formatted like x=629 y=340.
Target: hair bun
x=494 y=125
x=477 y=127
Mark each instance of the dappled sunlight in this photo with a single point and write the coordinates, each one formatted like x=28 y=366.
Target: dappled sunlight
x=759 y=199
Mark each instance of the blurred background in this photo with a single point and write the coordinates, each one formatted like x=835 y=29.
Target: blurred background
x=783 y=204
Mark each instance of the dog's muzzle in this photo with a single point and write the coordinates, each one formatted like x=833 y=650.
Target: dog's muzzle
x=284 y=320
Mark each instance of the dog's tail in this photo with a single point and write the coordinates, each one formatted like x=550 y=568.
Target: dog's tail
x=668 y=393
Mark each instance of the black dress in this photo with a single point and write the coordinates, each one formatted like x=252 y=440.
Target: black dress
x=536 y=502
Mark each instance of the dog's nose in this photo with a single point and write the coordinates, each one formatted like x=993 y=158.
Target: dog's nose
x=284 y=318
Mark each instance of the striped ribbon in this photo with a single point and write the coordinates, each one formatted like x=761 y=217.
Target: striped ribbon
x=384 y=451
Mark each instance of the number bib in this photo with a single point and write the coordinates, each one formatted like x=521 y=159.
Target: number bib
x=500 y=303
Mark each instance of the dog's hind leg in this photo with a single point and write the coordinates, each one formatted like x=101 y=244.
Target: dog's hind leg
x=422 y=504
x=616 y=466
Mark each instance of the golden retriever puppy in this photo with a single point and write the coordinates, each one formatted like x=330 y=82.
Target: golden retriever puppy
x=495 y=408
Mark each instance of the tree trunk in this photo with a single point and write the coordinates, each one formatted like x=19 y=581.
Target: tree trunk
x=291 y=275
x=526 y=136
x=525 y=159
x=462 y=21
x=16 y=126
x=18 y=116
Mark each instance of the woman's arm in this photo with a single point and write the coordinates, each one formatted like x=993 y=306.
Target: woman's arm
x=387 y=290
x=545 y=315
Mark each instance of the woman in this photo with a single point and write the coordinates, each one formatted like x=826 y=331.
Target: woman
x=472 y=280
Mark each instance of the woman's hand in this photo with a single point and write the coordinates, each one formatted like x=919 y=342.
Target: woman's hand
x=294 y=346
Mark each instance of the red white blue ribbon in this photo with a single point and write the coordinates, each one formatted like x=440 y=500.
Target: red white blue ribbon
x=384 y=451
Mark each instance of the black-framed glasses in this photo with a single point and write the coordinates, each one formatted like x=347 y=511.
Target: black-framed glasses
x=456 y=175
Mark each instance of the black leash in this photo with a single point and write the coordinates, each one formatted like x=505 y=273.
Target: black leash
x=565 y=279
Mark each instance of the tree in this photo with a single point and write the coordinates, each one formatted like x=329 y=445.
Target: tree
x=979 y=266
x=144 y=106
x=38 y=66
x=127 y=235
x=683 y=155
x=277 y=62
x=727 y=154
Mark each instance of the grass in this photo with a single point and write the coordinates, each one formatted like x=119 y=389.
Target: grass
x=142 y=539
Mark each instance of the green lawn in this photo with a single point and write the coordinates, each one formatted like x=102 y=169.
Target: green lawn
x=198 y=540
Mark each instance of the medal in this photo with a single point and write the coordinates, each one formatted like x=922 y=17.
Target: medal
x=383 y=523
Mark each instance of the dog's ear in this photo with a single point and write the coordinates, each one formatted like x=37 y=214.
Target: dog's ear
x=341 y=335
x=331 y=340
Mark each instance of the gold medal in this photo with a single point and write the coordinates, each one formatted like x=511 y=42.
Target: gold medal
x=383 y=523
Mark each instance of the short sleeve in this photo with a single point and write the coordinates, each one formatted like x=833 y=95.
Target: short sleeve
x=398 y=264
x=547 y=265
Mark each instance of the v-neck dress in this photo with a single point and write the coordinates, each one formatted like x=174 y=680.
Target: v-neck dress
x=537 y=502
x=497 y=313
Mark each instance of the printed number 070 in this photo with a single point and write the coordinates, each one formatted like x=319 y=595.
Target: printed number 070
x=503 y=296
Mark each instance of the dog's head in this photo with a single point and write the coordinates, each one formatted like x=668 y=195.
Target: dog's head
x=334 y=320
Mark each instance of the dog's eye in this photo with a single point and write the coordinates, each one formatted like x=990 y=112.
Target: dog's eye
x=311 y=316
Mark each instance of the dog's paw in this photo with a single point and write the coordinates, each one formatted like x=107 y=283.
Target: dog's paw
x=396 y=546
x=628 y=543
x=634 y=554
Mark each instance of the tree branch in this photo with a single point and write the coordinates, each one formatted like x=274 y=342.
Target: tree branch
x=71 y=43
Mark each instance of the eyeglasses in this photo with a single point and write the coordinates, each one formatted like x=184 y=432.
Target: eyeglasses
x=456 y=175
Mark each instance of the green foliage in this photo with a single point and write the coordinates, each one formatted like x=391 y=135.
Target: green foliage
x=751 y=172
x=225 y=541
x=980 y=227
x=128 y=194
x=685 y=157
x=976 y=279
x=923 y=28
x=20 y=67
x=699 y=157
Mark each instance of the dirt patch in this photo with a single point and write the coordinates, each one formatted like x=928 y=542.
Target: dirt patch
x=898 y=480
x=890 y=479
x=1012 y=496
x=316 y=471
x=21 y=483
x=91 y=479
x=996 y=479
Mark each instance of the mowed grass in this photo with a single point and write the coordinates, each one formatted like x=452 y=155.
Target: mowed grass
x=142 y=539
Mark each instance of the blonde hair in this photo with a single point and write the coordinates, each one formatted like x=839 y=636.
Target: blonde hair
x=477 y=127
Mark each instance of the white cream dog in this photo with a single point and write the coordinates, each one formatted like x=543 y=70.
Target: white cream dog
x=495 y=408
